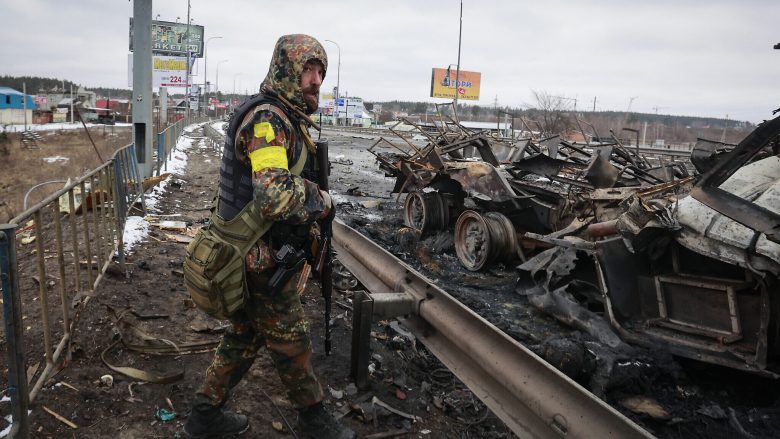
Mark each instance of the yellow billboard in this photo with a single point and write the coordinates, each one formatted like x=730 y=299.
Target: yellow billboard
x=443 y=84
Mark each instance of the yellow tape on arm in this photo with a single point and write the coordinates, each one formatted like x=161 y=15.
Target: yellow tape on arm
x=264 y=129
x=268 y=157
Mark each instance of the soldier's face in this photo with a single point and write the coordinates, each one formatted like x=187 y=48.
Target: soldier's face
x=311 y=80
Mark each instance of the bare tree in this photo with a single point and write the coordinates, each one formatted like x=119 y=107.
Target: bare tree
x=553 y=112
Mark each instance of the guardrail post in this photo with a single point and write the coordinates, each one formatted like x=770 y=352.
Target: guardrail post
x=12 y=316
x=362 y=316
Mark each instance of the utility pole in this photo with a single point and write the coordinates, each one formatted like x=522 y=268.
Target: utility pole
x=187 y=52
x=206 y=72
x=457 y=72
x=594 y=104
x=142 y=84
x=71 y=103
x=24 y=103
x=338 y=83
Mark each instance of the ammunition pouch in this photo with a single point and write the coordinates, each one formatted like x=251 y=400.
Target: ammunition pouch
x=214 y=267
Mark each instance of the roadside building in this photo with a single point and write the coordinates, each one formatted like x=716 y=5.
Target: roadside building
x=122 y=108
x=12 y=108
x=345 y=111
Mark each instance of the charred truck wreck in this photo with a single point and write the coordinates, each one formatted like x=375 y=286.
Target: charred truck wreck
x=680 y=253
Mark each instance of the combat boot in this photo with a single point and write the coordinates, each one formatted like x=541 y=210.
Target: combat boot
x=317 y=423
x=214 y=422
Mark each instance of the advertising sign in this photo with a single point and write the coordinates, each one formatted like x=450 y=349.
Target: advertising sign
x=167 y=71
x=170 y=38
x=443 y=84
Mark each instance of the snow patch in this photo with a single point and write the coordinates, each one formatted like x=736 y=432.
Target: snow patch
x=55 y=159
x=136 y=230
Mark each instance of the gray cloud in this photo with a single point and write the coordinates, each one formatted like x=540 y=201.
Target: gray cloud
x=692 y=57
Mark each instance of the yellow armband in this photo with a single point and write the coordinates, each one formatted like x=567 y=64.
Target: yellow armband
x=268 y=157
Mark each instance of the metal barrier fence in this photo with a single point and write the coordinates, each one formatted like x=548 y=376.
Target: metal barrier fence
x=61 y=249
x=167 y=138
x=215 y=138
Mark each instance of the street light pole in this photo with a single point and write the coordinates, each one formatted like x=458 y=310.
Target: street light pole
x=216 y=91
x=234 y=88
x=206 y=71
x=338 y=77
x=457 y=72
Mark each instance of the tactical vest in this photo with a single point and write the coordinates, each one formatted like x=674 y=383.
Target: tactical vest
x=235 y=177
x=236 y=216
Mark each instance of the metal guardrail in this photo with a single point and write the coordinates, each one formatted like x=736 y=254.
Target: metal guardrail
x=531 y=397
x=215 y=138
x=62 y=247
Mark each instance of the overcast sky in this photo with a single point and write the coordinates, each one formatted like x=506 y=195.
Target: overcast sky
x=685 y=57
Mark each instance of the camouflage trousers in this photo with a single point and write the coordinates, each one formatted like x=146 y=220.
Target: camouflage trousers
x=277 y=322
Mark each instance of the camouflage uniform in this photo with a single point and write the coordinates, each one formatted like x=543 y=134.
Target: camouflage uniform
x=270 y=143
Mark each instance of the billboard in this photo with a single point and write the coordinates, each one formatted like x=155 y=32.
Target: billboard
x=171 y=38
x=443 y=84
x=167 y=71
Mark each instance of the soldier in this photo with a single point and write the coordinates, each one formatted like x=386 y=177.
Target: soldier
x=266 y=147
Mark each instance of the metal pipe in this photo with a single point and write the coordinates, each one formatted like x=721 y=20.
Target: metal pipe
x=74 y=238
x=532 y=398
x=85 y=219
x=27 y=195
x=61 y=266
x=39 y=238
x=12 y=319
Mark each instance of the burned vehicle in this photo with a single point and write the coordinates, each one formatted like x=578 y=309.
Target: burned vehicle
x=494 y=192
x=629 y=247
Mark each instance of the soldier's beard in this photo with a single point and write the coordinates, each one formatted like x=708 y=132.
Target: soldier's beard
x=311 y=97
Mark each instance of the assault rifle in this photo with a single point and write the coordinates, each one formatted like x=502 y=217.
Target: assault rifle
x=324 y=265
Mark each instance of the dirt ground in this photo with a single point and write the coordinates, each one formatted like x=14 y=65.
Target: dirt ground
x=58 y=156
x=700 y=401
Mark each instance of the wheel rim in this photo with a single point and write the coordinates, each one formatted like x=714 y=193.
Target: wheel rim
x=472 y=240
x=426 y=211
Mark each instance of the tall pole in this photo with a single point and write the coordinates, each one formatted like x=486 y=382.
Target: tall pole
x=142 y=84
x=234 y=88
x=206 y=71
x=217 y=84
x=187 y=52
x=71 y=104
x=24 y=103
x=457 y=72
x=338 y=81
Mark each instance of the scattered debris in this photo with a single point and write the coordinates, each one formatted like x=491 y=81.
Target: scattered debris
x=60 y=417
x=645 y=406
x=378 y=402
x=165 y=415
x=107 y=380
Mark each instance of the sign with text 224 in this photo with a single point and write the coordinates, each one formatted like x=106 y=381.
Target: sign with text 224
x=167 y=71
x=443 y=84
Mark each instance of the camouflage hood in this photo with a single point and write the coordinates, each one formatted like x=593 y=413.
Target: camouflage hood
x=290 y=55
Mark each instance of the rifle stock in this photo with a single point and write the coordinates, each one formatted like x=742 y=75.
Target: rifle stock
x=324 y=264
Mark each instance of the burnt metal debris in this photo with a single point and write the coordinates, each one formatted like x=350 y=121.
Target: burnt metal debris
x=624 y=243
